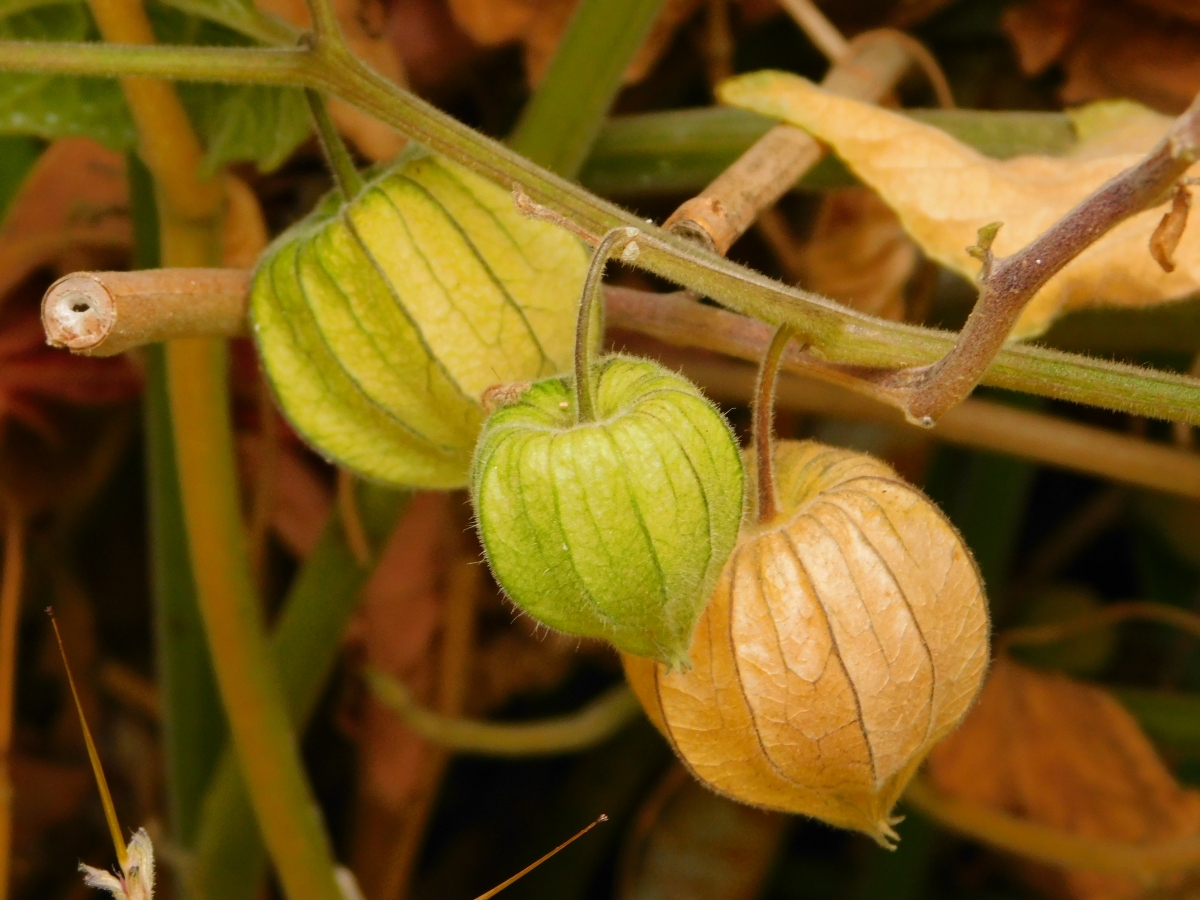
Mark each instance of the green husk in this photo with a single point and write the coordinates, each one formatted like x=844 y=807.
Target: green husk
x=617 y=528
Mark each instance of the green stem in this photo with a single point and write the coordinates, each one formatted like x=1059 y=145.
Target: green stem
x=585 y=397
x=595 y=723
x=193 y=725
x=349 y=181
x=230 y=859
x=764 y=412
x=560 y=123
x=680 y=152
x=835 y=333
x=262 y=731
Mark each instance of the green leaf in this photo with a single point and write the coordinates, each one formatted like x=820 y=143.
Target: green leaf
x=20 y=153
x=51 y=107
x=235 y=122
x=246 y=122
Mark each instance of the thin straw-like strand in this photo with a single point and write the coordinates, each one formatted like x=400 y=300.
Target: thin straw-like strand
x=525 y=871
x=110 y=812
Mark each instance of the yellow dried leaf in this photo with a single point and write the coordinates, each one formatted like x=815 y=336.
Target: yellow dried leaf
x=945 y=191
x=1065 y=754
x=843 y=640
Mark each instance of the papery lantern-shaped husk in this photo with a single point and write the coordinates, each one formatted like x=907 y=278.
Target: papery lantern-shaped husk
x=843 y=640
x=382 y=320
x=615 y=528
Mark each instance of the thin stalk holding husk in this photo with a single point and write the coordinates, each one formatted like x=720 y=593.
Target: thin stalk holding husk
x=585 y=398
x=764 y=414
x=341 y=164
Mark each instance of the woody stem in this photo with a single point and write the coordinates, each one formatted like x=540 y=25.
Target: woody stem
x=764 y=409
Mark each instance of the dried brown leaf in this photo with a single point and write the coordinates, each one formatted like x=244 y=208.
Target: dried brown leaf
x=1062 y=753
x=1148 y=50
x=689 y=842
x=539 y=25
x=859 y=253
x=303 y=500
x=945 y=191
x=395 y=630
x=72 y=212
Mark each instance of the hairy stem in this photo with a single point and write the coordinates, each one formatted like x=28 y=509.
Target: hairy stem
x=764 y=413
x=834 y=333
x=337 y=156
x=585 y=398
x=160 y=304
x=1007 y=285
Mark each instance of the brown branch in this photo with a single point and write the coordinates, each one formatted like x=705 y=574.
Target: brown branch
x=1008 y=284
x=1112 y=614
x=106 y=313
x=721 y=213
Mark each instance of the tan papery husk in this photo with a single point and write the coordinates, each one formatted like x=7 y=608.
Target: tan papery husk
x=843 y=640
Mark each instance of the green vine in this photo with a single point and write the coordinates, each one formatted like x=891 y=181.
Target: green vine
x=835 y=334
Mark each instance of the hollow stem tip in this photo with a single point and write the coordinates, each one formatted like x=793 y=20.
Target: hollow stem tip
x=764 y=410
x=620 y=238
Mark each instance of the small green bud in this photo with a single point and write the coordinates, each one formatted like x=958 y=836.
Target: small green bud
x=615 y=528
